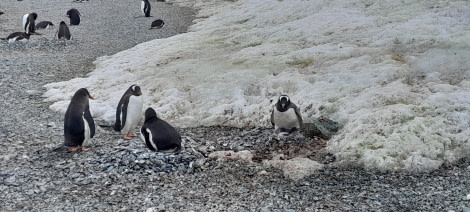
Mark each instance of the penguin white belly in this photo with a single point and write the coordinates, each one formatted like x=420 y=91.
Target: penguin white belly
x=87 y=130
x=287 y=119
x=142 y=7
x=11 y=40
x=25 y=19
x=133 y=113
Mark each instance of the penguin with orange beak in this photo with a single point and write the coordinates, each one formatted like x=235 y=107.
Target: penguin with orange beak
x=79 y=126
x=285 y=116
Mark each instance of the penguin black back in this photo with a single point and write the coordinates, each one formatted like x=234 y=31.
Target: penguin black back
x=74 y=16
x=122 y=106
x=64 y=32
x=43 y=24
x=18 y=36
x=78 y=118
x=157 y=24
x=158 y=135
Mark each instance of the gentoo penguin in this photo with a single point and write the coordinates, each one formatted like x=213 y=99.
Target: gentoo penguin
x=158 y=135
x=74 y=16
x=79 y=126
x=128 y=112
x=64 y=32
x=157 y=24
x=285 y=116
x=18 y=36
x=28 y=22
x=145 y=7
x=44 y=25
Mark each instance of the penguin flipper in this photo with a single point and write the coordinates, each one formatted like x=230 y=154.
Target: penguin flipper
x=118 y=124
x=272 y=116
x=124 y=110
x=91 y=123
x=146 y=136
x=299 y=117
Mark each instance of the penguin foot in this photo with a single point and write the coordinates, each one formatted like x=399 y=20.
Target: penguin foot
x=128 y=137
x=77 y=148
x=74 y=148
x=86 y=149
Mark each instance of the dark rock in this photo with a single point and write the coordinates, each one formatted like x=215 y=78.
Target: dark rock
x=323 y=128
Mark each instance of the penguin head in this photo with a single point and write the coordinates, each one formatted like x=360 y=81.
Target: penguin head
x=135 y=89
x=83 y=92
x=35 y=16
x=284 y=101
x=71 y=12
x=150 y=114
x=62 y=23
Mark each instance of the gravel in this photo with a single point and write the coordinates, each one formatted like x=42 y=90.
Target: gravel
x=120 y=175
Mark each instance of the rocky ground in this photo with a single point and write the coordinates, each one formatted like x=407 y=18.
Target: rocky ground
x=219 y=169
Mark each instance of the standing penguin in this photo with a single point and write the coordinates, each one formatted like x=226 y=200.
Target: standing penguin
x=74 y=16
x=29 y=22
x=64 y=32
x=79 y=126
x=285 y=116
x=145 y=7
x=18 y=36
x=129 y=111
x=158 y=135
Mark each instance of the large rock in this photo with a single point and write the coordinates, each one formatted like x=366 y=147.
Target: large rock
x=323 y=128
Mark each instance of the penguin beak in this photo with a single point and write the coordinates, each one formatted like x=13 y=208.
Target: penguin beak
x=140 y=93
x=283 y=105
x=91 y=97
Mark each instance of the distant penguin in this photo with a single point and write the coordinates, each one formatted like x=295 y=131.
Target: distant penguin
x=1 y=13
x=158 y=135
x=145 y=7
x=157 y=24
x=44 y=25
x=64 y=32
x=18 y=36
x=129 y=111
x=79 y=126
x=29 y=22
x=285 y=116
x=74 y=16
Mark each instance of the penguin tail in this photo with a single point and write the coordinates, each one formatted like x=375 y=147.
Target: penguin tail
x=176 y=149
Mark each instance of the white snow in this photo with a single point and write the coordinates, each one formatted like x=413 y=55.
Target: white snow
x=395 y=73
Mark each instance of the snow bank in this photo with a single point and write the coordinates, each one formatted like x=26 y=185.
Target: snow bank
x=394 y=73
